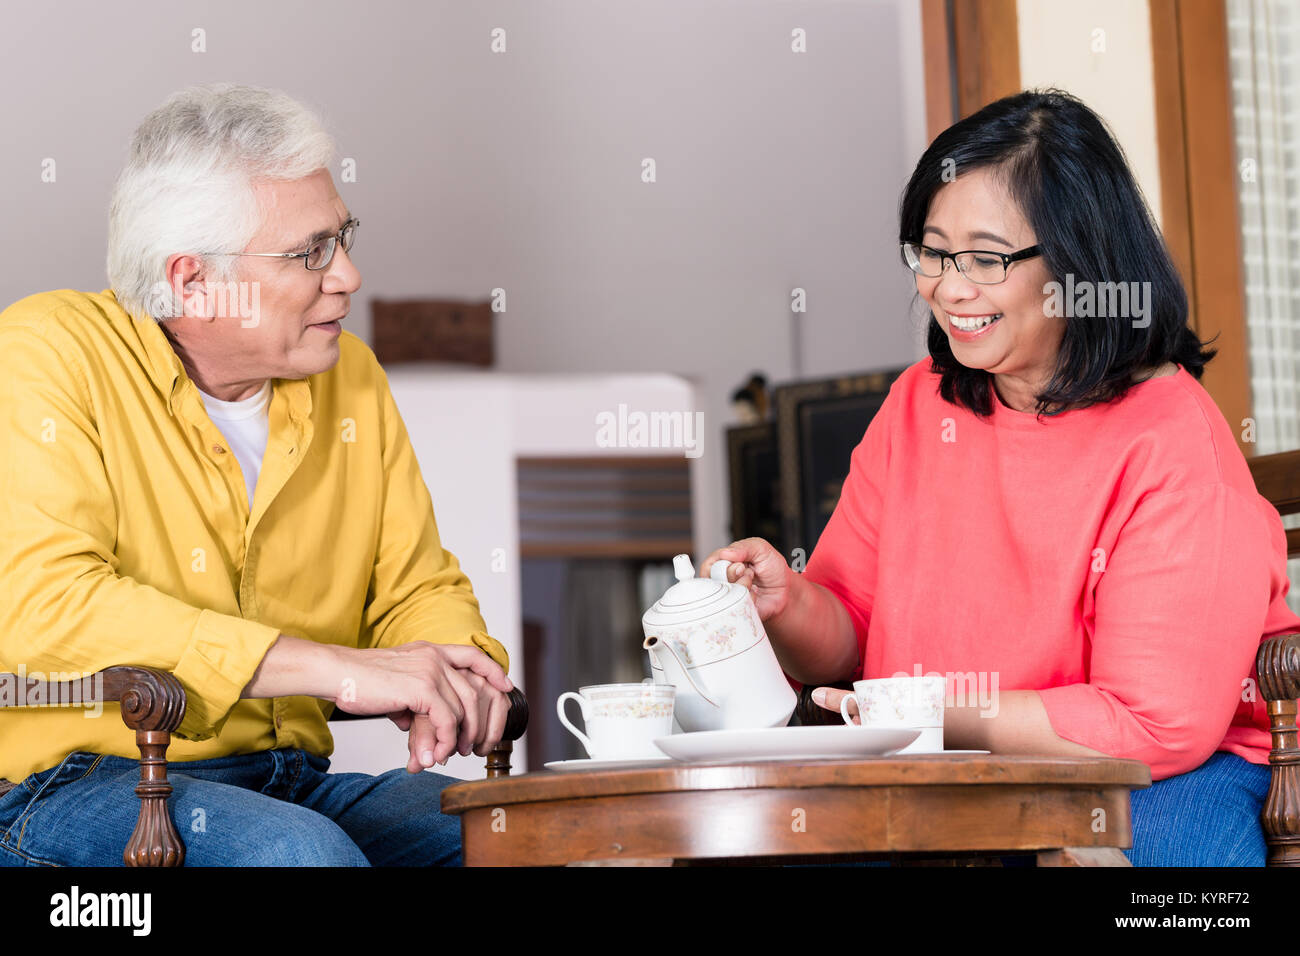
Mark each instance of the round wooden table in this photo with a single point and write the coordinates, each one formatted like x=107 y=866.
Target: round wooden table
x=1069 y=811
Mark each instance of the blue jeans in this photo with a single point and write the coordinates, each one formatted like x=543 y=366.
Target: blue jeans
x=274 y=808
x=1205 y=817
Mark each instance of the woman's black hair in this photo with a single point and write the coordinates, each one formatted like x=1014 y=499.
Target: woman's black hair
x=1063 y=167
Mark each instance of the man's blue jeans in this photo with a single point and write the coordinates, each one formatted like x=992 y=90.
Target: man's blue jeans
x=274 y=808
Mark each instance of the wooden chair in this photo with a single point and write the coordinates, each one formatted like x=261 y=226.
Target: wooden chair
x=1278 y=662
x=1278 y=479
x=153 y=705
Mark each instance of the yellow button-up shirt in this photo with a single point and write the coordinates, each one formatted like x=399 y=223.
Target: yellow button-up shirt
x=126 y=535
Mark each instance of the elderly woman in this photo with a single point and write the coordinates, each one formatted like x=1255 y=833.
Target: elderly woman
x=1052 y=500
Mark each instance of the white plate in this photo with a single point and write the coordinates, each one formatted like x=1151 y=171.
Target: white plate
x=586 y=763
x=786 y=743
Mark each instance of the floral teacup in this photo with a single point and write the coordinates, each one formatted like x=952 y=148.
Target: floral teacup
x=622 y=720
x=912 y=702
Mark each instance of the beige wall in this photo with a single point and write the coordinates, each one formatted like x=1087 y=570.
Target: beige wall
x=521 y=170
x=1057 y=41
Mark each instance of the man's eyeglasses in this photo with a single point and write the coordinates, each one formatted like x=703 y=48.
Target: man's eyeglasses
x=979 y=265
x=318 y=255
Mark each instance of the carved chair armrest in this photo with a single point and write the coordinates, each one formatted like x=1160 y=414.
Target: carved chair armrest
x=813 y=715
x=1278 y=664
x=153 y=705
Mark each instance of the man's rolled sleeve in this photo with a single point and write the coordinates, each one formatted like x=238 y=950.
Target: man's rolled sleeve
x=223 y=654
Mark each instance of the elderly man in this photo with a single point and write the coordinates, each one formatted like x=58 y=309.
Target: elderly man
x=203 y=473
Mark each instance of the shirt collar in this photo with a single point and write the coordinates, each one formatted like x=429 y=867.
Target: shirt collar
x=167 y=371
x=157 y=355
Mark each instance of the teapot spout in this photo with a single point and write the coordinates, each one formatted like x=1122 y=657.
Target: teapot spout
x=673 y=668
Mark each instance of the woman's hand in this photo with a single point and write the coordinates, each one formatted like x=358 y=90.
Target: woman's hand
x=830 y=697
x=761 y=568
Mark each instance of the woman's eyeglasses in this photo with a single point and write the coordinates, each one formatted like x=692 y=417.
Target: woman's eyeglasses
x=979 y=265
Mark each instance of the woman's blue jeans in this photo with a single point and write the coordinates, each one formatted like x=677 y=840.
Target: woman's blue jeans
x=273 y=808
x=1205 y=817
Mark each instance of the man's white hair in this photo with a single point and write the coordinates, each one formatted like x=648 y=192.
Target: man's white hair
x=187 y=186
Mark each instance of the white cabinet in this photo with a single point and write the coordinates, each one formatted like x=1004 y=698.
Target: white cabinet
x=467 y=428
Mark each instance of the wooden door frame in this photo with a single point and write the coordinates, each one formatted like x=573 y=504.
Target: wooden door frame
x=1198 y=189
x=971 y=56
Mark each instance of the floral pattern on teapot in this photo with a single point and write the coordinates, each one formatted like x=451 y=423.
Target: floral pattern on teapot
x=702 y=642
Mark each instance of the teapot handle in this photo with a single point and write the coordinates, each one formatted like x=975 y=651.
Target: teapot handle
x=719 y=571
x=668 y=646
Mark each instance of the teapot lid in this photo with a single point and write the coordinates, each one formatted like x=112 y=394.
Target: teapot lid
x=692 y=597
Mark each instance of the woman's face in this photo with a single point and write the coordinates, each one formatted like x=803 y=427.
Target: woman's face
x=1019 y=349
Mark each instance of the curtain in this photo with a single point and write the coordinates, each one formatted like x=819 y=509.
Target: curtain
x=1263 y=46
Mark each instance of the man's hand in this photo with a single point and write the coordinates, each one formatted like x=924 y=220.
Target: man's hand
x=493 y=707
x=451 y=697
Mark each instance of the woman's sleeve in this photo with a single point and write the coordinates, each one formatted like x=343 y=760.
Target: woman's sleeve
x=844 y=561
x=1180 y=609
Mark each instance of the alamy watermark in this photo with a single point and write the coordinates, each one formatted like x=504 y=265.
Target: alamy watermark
x=1089 y=300
x=69 y=689
x=657 y=429
x=231 y=300
x=979 y=688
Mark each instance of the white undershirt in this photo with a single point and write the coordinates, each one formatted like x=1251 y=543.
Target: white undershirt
x=245 y=425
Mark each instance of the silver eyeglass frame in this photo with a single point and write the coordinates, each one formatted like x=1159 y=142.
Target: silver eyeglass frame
x=333 y=241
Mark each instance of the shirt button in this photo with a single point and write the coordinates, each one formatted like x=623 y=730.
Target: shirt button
x=218 y=450
x=279 y=721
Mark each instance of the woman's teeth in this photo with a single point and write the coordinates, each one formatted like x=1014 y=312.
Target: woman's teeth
x=972 y=325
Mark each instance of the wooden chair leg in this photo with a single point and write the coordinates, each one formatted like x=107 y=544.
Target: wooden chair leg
x=154 y=842
x=1278 y=666
x=498 y=761
x=1281 y=815
x=153 y=705
x=1083 y=856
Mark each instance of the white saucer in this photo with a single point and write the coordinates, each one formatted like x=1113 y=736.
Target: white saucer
x=586 y=763
x=836 y=741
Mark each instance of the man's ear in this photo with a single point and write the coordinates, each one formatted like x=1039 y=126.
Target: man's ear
x=187 y=278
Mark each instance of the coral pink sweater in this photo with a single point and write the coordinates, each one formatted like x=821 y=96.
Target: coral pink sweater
x=1117 y=559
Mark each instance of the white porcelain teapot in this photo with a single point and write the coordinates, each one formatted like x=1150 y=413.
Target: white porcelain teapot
x=704 y=636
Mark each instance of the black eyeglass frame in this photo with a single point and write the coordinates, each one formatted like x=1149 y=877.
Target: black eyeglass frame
x=1007 y=259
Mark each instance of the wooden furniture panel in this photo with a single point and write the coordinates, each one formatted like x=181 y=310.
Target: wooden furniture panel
x=430 y=330
x=776 y=810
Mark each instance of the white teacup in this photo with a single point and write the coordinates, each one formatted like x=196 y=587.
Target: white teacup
x=911 y=702
x=622 y=720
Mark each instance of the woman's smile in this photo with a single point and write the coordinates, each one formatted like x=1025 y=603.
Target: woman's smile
x=971 y=328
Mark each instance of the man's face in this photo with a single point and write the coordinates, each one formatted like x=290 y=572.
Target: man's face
x=285 y=320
